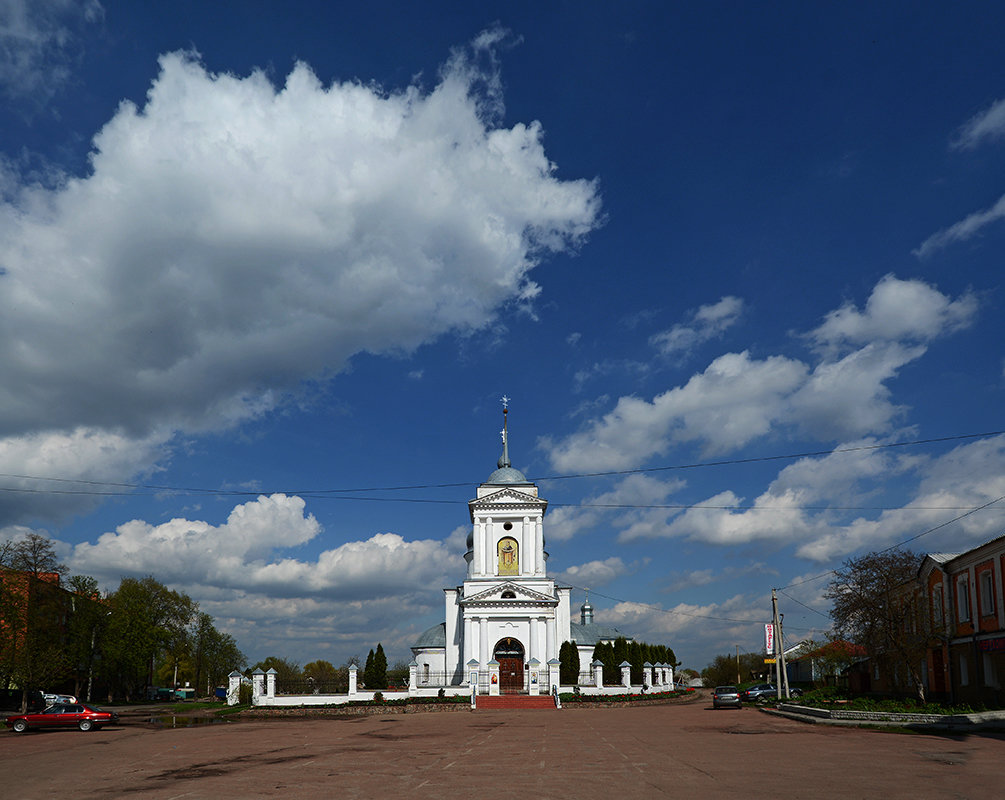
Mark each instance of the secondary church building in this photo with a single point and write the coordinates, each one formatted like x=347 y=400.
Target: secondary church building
x=507 y=610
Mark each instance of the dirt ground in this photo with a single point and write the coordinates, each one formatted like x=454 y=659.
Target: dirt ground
x=678 y=751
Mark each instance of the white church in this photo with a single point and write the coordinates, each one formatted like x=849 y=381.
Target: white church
x=502 y=627
x=508 y=610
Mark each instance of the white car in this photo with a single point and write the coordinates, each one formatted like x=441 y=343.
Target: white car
x=52 y=699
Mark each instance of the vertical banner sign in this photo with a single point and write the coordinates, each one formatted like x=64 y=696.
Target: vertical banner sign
x=769 y=638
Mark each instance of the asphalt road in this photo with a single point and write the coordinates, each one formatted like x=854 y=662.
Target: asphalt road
x=679 y=752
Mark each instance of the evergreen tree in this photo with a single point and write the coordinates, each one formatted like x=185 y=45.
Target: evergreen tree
x=379 y=669
x=568 y=669
x=368 y=671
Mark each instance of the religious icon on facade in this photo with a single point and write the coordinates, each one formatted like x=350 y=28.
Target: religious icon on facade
x=509 y=561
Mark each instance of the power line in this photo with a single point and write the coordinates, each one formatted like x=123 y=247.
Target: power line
x=320 y=493
x=905 y=541
x=674 y=611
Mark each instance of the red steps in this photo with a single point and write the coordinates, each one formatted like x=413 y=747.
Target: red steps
x=514 y=701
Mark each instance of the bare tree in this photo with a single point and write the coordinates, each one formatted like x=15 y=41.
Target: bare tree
x=33 y=553
x=878 y=604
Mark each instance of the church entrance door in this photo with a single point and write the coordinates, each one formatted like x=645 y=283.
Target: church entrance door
x=509 y=653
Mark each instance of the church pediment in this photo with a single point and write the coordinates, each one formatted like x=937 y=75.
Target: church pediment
x=507 y=498
x=509 y=592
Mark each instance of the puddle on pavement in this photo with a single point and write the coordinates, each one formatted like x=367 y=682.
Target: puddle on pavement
x=171 y=721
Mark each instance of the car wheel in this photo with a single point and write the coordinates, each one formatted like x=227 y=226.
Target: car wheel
x=20 y=726
x=85 y=725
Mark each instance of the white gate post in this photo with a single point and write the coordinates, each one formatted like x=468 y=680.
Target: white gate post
x=598 y=673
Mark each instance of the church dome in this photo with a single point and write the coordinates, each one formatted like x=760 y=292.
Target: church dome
x=433 y=637
x=507 y=474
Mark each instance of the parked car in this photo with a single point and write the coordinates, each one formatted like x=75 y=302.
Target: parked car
x=766 y=691
x=723 y=696
x=63 y=715
x=52 y=699
x=758 y=691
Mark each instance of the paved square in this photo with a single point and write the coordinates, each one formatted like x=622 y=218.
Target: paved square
x=678 y=751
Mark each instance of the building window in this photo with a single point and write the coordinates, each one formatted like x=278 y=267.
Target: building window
x=963 y=599
x=938 y=619
x=990 y=674
x=964 y=674
x=986 y=581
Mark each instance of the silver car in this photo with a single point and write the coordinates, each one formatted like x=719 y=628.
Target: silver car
x=726 y=696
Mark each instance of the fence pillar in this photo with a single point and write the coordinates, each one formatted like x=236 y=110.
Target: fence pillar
x=270 y=682
x=647 y=675
x=598 y=673
x=493 y=677
x=534 y=686
x=352 y=679
x=413 y=678
x=234 y=688
x=553 y=675
x=626 y=673
x=472 y=675
x=670 y=677
x=257 y=686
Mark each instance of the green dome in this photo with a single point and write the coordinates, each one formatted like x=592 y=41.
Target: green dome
x=507 y=474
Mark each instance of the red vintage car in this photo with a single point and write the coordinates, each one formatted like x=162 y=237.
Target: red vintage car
x=63 y=715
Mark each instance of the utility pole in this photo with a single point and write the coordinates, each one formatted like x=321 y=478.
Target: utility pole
x=781 y=648
x=738 y=665
x=777 y=648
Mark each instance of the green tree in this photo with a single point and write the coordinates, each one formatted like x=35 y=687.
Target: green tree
x=322 y=675
x=287 y=672
x=722 y=671
x=368 y=677
x=84 y=624
x=148 y=628
x=397 y=675
x=215 y=655
x=379 y=669
x=568 y=664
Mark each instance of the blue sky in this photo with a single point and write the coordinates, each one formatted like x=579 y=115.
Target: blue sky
x=266 y=271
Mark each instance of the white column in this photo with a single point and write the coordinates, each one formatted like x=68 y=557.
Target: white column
x=527 y=549
x=352 y=679
x=469 y=641
x=551 y=649
x=539 y=540
x=532 y=646
x=486 y=546
x=483 y=640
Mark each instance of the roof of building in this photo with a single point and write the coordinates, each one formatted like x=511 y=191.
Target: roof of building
x=593 y=632
x=433 y=637
x=507 y=474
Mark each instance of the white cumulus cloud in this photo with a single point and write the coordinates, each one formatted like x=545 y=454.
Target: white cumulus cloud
x=739 y=398
x=708 y=322
x=234 y=240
